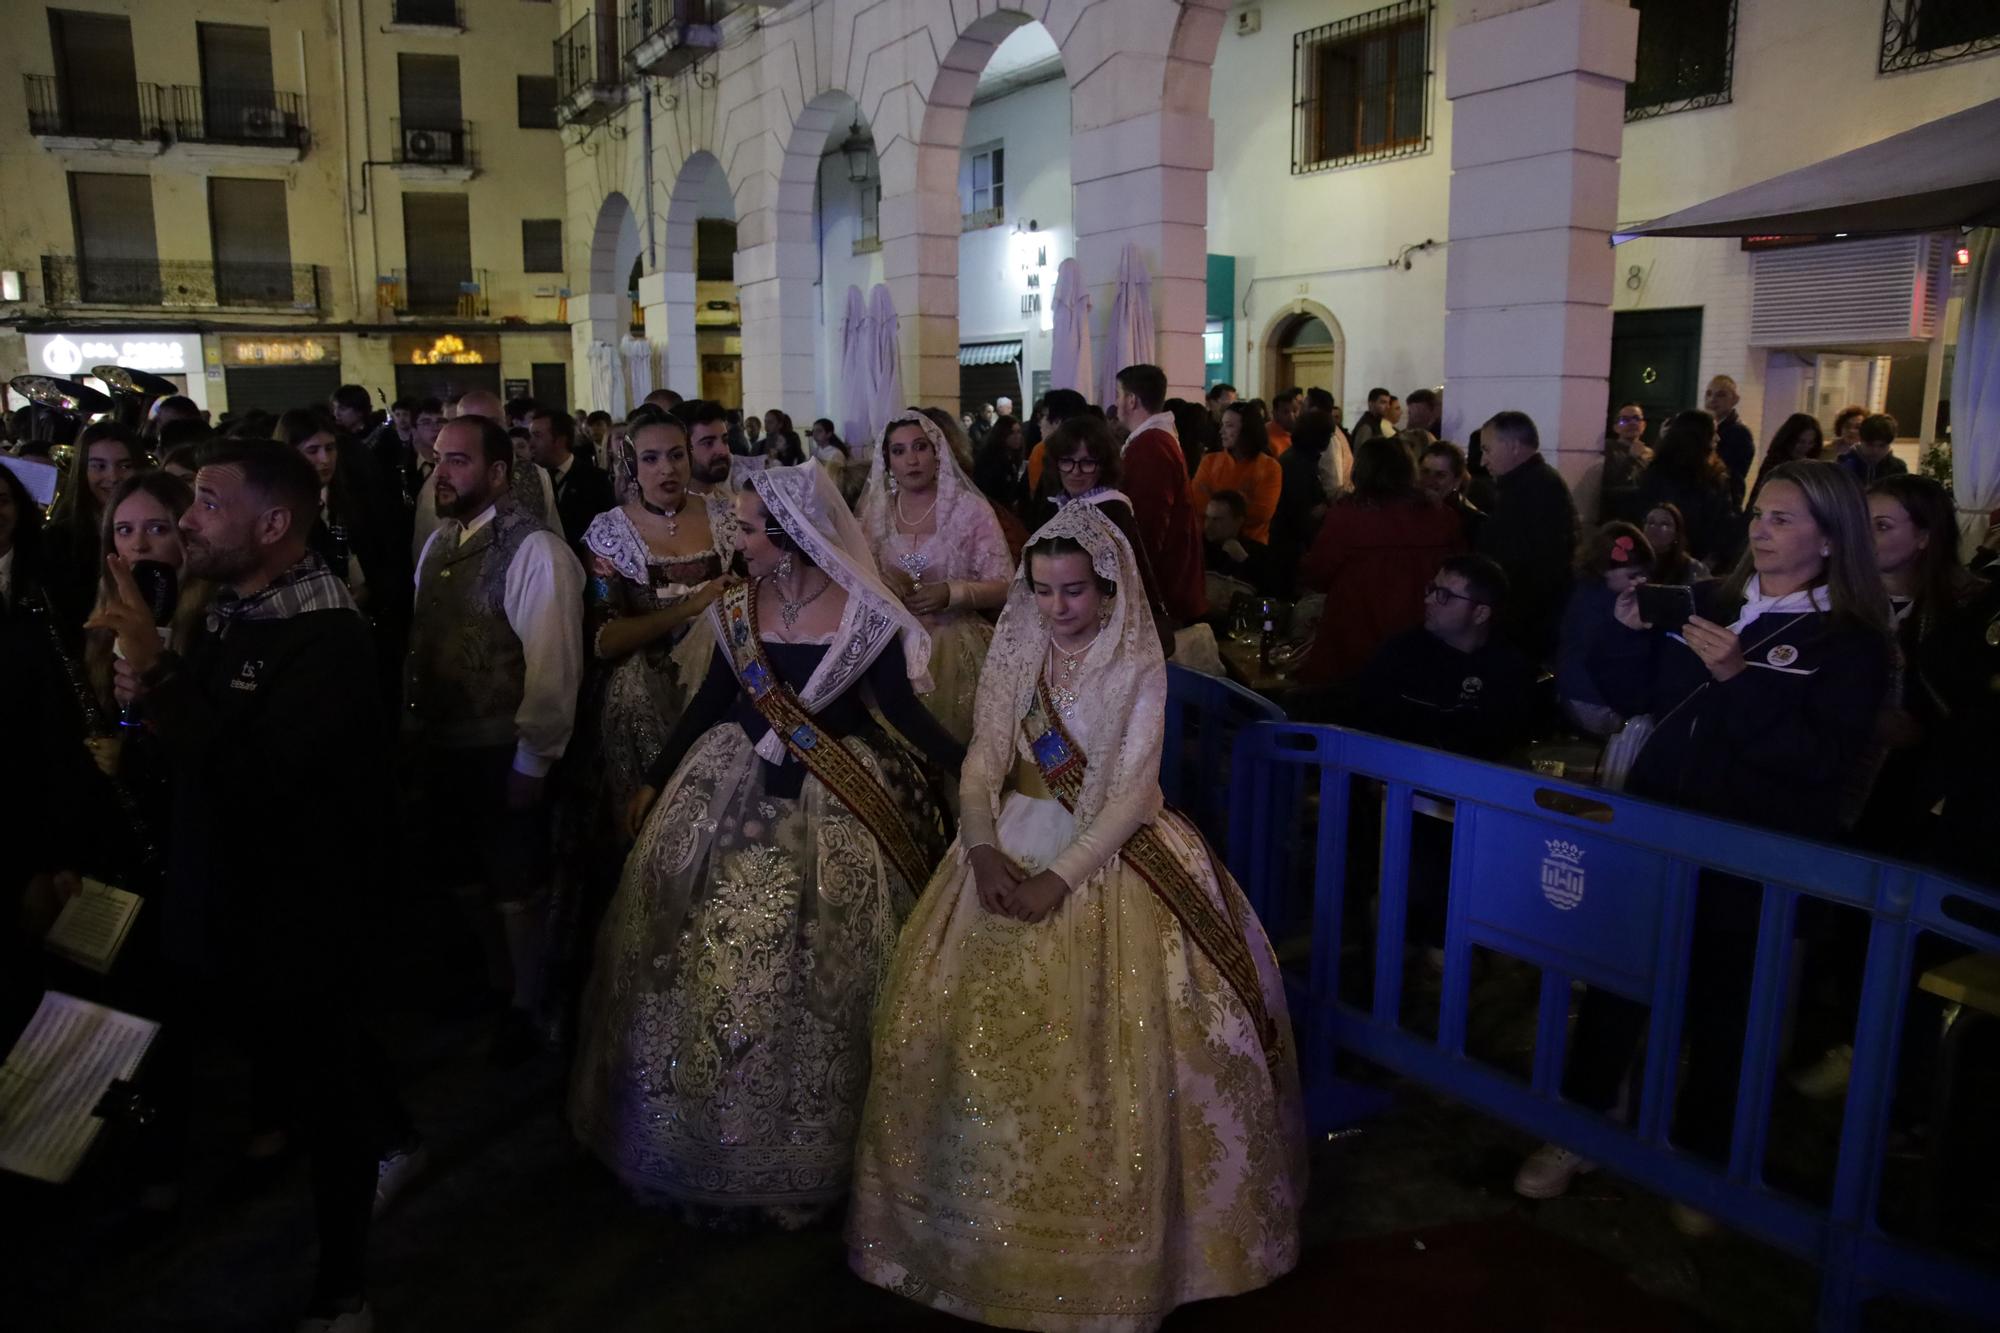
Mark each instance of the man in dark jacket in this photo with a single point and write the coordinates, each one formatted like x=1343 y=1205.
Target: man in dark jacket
x=1531 y=532
x=279 y=746
x=1872 y=459
x=1734 y=444
x=583 y=489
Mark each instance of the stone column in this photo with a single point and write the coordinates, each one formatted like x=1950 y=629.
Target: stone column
x=1538 y=117
x=1145 y=180
x=594 y=317
x=919 y=225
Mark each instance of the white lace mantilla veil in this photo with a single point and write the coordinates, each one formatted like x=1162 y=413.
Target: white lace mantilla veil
x=1124 y=670
x=962 y=508
x=808 y=507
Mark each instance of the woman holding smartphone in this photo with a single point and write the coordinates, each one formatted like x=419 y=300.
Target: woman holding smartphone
x=1766 y=703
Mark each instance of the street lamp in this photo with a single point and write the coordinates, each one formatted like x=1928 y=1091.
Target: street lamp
x=860 y=152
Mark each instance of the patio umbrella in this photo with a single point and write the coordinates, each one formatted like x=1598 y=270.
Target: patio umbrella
x=1975 y=391
x=1069 y=365
x=638 y=367
x=886 y=376
x=1128 y=341
x=857 y=375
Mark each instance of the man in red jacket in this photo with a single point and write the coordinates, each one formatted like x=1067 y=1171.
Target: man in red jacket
x=1155 y=477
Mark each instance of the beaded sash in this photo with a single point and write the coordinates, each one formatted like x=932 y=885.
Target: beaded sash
x=836 y=766
x=1214 y=929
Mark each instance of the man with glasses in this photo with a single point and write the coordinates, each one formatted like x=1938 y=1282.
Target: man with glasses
x=1451 y=685
x=1609 y=488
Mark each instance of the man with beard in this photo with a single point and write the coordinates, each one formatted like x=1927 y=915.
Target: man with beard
x=712 y=466
x=280 y=757
x=495 y=659
x=533 y=490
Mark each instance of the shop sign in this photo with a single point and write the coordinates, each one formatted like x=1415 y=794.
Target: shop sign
x=446 y=349
x=66 y=354
x=279 y=351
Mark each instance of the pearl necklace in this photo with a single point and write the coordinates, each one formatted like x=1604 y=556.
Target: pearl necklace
x=1062 y=678
x=908 y=522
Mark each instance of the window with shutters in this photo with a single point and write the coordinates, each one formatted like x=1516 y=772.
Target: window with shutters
x=868 y=235
x=1929 y=32
x=1361 y=88
x=427 y=91
x=1686 y=52
x=541 y=245
x=982 y=186
x=97 y=83
x=117 y=255
x=535 y=100
x=714 y=251
x=437 y=251
x=251 y=233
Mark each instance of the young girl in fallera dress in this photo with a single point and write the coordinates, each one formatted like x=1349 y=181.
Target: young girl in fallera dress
x=1084 y=1108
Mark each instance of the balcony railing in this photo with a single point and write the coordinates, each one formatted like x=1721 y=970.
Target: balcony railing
x=586 y=60
x=460 y=294
x=250 y=116
x=104 y=111
x=430 y=13
x=665 y=36
x=430 y=142
x=179 y=284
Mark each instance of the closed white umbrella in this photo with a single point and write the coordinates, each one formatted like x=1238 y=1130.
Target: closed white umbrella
x=1128 y=341
x=638 y=367
x=607 y=379
x=1975 y=392
x=887 y=376
x=1069 y=365
x=857 y=374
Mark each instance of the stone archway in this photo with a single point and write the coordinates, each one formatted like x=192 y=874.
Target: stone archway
x=1281 y=355
x=605 y=315
x=700 y=192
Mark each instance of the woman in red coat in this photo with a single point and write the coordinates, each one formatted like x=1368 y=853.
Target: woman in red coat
x=1378 y=548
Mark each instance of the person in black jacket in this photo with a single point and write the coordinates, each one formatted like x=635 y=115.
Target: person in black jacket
x=1302 y=497
x=1531 y=532
x=583 y=489
x=1765 y=707
x=1734 y=444
x=274 y=733
x=1687 y=473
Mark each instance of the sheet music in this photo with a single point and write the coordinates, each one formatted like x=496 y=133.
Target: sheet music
x=38 y=475
x=92 y=926
x=54 y=1078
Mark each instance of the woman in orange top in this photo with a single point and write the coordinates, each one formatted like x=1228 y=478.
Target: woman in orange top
x=1245 y=465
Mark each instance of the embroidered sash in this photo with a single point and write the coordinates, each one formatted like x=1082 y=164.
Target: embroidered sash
x=1215 y=930
x=836 y=766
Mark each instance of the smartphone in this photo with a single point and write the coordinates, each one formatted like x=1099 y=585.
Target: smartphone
x=159 y=585
x=1666 y=606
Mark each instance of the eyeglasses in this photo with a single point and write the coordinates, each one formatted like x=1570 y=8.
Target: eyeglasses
x=1437 y=592
x=1628 y=419
x=1085 y=464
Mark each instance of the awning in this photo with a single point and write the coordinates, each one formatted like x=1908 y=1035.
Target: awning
x=989 y=354
x=1939 y=175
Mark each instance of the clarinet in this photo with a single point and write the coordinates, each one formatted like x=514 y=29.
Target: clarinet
x=35 y=602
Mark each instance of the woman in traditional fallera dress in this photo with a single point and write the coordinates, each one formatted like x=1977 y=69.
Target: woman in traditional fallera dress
x=724 y=1035
x=1085 y=1106
x=940 y=547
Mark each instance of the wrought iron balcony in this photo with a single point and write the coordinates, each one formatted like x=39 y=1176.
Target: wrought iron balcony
x=433 y=142
x=249 y=116
x=590 y=80
x=130 y=112
x=666 y=36
x=179 y=284
x=428 y=13
x=459 y=294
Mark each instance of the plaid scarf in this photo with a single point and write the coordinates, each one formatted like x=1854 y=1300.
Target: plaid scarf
x=307 y=586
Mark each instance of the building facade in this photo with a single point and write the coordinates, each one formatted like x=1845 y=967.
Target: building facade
x=1312 y=202
x=266 y=198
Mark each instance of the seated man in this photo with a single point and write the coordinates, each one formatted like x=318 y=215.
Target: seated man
x=1230 y=557
x=1451 y=685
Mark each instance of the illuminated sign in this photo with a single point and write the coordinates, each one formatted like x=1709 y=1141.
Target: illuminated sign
x=448 y=350
x=279 y=351
x=67 y=354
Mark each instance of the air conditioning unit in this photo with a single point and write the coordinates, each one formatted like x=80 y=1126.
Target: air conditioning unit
x=435 y=146
x=264 y=122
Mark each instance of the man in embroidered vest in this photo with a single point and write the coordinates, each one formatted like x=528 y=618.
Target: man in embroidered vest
x=496 y=656
x=1156 y=480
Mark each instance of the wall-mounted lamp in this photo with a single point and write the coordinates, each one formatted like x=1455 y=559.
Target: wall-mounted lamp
x=859 y=150
x=10 y=284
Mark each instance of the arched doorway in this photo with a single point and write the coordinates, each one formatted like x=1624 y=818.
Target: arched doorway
x=704 y=324
x=1303 y=349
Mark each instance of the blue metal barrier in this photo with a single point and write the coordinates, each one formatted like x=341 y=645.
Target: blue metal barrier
x=1204 y=715
x=1598 y=887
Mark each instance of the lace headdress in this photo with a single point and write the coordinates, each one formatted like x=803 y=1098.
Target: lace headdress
x=1124 y=752
x=961 y=507
x=807 y=505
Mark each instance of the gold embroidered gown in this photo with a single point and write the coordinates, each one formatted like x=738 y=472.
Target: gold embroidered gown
x=1074 y=1124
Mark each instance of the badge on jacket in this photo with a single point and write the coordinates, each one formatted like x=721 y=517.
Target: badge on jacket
x=1782 y=656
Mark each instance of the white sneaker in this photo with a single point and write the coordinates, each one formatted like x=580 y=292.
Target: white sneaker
x=1828 y=1078
x=395 y=1171
x=346 y=1321
x=1548 y=1172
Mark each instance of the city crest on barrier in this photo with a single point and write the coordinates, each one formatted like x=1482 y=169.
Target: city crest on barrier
x=1562 y=874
